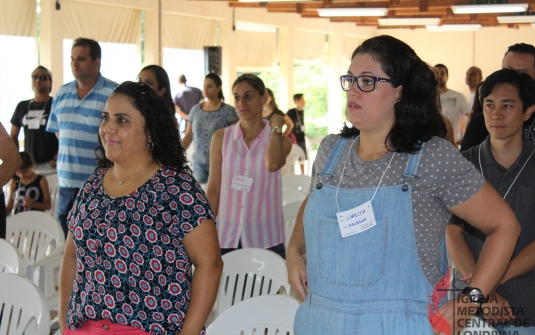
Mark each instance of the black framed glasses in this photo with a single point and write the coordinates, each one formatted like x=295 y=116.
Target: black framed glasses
x=138 y=87
x=364 y=83
x=40 y=77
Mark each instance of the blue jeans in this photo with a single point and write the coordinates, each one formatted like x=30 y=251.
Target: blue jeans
x=200 y=172
x=65 y=202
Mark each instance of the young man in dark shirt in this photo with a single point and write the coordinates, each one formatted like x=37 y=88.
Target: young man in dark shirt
x=298 y=118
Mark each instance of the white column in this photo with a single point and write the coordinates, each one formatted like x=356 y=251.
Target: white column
x=228 y=39
x=286 y=67
x=153 y=47
x=52 y=36
x=335 y=96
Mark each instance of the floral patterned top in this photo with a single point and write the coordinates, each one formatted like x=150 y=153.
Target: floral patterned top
x=132 y=266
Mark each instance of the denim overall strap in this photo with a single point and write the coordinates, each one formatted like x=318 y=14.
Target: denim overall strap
x=334 y=157
x=412 y=166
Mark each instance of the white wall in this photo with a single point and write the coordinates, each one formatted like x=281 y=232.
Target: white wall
x=461 y=50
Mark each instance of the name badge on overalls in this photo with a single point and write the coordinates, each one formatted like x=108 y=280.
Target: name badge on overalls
x=356 y=220
x=242 y=183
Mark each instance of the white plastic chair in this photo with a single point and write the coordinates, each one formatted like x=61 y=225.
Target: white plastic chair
x=265 y=315
x=40 y=241
x=10 y=261
x=290 y=213
x=53 y=186
x=24 y=307
x=291 y=194
x=248 y=273
x=300 y=182
x=295 y=157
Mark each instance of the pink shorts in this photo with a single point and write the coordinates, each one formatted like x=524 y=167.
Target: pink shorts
x=104 y=327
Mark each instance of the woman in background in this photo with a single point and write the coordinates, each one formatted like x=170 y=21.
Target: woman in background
x=204 y=119
x=271 y=108
x=245 y=188
x=156 y=77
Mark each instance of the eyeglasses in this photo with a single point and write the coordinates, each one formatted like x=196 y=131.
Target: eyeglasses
x=40 y=77
x=364 y=83
x=139 y=87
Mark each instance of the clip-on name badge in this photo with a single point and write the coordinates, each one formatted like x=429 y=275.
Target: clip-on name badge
x=242 y=183
x=356 y=220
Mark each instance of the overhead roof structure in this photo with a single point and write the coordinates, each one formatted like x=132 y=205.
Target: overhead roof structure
x=444 y=11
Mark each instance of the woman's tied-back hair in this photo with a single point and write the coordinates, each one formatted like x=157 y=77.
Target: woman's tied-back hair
x=273 y=103
x=158 y=123
x=163 y=81
x=217 y=81
x=252 y=80
x=417 y=117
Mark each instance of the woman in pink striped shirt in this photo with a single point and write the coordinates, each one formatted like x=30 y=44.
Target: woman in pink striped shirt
x=244 y=187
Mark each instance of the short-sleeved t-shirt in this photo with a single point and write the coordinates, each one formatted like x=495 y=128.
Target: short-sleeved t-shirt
x=132 y=266
x=204 y=125
x=445 y=179
x=33 y=117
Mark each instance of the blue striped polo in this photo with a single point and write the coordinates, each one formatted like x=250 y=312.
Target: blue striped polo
x=77 y=122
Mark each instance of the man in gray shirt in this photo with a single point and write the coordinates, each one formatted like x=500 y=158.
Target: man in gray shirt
x=185 y=99
x=506 y=160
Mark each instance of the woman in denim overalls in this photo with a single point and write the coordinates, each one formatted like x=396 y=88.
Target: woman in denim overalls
x=362 y=270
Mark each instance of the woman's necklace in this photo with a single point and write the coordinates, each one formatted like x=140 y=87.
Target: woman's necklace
x=120 y=182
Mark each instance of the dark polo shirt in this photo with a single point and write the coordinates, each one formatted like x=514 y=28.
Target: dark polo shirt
x=519 y=291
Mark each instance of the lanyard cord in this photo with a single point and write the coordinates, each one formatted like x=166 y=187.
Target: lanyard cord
x=518 y=174
x=344 y=168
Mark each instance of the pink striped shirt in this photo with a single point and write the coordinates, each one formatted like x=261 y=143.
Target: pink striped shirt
x=255 y=217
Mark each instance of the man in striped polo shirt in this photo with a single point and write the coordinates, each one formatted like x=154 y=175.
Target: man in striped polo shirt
x=75 y=118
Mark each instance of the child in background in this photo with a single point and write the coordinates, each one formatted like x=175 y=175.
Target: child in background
x=30 y=191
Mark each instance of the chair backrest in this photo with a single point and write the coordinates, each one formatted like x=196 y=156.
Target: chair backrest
x=265 y=315
x=300 y=182
x=35 y=234
x=290 y=194
x=24 y=307
x=296 y=156
x=53 y=186
x=248 y=273
x=290 y=213
x=10 y=261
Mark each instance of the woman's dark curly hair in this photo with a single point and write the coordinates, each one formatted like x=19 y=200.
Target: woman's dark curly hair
x=158 y=123
x=417 y=116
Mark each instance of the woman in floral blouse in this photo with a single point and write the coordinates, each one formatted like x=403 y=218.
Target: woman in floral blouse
x=138 y=225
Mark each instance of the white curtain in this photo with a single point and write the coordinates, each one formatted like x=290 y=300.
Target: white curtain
x=101 y=23
x=18 y=18
x=186 y=32
x=256 y=49
x=349 y=45
x=309 y=46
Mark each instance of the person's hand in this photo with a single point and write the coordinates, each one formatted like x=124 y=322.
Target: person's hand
x=277 y=121
x=297 y=273
x=467 y=277
x=52 y=163
x=28 y=202
x=497 y=310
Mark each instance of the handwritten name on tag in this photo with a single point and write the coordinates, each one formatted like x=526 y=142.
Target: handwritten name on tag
x=356 y=220
x=242 y=183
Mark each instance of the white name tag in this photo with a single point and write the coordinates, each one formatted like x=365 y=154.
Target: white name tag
x=303 y=128
x=356 y=220
x=34 y=123
x=242 y=183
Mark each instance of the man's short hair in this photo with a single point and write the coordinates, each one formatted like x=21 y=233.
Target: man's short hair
x=182 y=79
x=478 y=71
x=522 y=48
x=443 y=66
x=524 y=84
x=94 y=48
x=298 y=97
x=48 y=73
